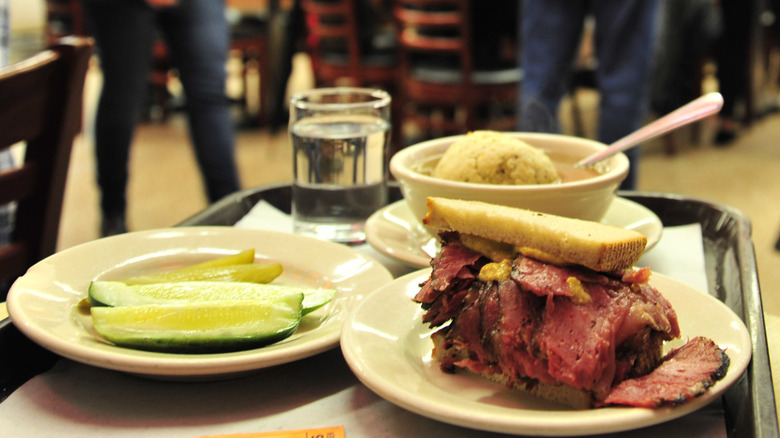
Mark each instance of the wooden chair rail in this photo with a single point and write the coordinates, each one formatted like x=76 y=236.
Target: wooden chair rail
x=41 y=104
x=18 y=183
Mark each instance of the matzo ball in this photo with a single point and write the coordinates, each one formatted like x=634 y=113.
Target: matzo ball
x=490 y=157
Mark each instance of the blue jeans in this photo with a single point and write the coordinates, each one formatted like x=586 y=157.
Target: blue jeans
x=197 y=37
x=624 y=44
x=7 y=211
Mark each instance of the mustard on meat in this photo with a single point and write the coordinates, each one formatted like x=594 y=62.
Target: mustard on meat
x=578 y=293
x=497 y=271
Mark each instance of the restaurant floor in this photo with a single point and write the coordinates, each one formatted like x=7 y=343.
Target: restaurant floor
x=165 y=186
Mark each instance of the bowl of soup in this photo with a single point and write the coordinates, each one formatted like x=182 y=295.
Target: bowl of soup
x=583 y=193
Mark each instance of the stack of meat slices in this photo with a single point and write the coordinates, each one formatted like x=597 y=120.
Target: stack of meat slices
x=582 y=330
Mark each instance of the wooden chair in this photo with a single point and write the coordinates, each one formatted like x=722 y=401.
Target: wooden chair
x=441 y=88
x=340 y=54
x=63 y=18
x=350 y=46
x=158 y=107
x=42 y=107
x=250 y=39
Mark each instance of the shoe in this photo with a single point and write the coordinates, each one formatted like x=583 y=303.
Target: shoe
x=727 y=131
x=724 y=137
x=113 y=225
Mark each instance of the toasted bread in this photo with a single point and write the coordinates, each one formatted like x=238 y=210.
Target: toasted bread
x=552 y=238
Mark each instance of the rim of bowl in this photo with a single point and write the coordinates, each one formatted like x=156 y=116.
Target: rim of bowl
x=601 y=179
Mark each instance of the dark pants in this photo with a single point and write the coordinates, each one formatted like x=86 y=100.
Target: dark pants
x=732 y=53
x=624 y=43
x=197 y=36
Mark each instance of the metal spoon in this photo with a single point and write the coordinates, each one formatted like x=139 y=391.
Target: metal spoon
x=697 y=109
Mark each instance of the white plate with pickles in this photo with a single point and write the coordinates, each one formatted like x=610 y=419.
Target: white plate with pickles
x=48 y=303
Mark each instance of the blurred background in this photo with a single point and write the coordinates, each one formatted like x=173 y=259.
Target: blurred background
x=278 y=48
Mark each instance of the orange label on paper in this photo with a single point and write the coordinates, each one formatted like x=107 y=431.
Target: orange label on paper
x=325 y=432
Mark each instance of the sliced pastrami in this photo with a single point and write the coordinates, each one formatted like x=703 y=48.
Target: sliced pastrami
x=520 y=318
x=540 y=278
x=469 y=328
x=531 y=327
x=545 y=279
x=684 y=374
x=453 y=267
x=579 y=339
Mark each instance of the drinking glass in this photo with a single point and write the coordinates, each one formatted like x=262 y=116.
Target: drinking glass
x=340 y=139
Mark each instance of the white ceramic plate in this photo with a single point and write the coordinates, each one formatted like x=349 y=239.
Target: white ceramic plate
x=43 y=302
x=394 y=231
x=389 y=349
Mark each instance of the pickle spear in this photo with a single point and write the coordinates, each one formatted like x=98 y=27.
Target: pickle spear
x=115 y=293
x=247 y=272
x=200 y=327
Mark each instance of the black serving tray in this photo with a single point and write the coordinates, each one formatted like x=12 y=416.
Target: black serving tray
x=733 y=278
x=731 y=272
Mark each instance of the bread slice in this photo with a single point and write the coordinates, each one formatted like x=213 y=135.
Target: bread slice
x=556 y=239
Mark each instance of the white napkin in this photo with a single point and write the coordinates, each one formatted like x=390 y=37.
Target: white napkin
x=264 y=216
x=680 y=255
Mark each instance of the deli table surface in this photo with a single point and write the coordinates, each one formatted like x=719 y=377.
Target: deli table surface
x=747 y=409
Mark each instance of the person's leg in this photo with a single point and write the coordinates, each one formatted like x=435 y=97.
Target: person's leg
x=732 y=57
x=550 y=32
x=197 y=33
x=123 y=32
x=625 y=42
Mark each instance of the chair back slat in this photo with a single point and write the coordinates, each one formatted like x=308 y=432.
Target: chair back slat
x=441 y=88
x=24 y=92
x=333 y=21
x=338 y=45
x=18 y=183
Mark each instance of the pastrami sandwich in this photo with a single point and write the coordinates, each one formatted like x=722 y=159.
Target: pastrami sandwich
x=553 y=306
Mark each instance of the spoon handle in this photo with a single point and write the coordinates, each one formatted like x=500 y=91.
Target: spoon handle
x=697 y=109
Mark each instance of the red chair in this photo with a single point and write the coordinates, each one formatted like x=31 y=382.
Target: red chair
x=351 y=45
x=442 y=89
x=341 y=51
x=249 y=40
x=63 y=18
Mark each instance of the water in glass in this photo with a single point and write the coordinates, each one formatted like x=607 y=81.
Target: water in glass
x=339 y=174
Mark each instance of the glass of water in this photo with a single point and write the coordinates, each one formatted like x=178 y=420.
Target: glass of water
x=340 y=139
